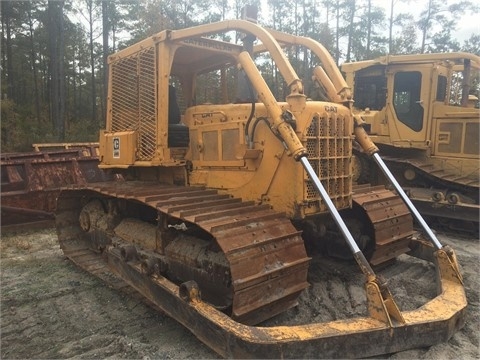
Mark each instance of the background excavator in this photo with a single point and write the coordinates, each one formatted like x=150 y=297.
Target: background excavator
x=421 y=111
x=222 y=194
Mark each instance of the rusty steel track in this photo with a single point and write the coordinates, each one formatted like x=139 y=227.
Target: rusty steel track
x=338 y=338
x=266 y=255
x=267 y=265
x=392 y=224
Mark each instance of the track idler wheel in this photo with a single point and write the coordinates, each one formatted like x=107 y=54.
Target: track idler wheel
x=93 y=221
x=90 y=215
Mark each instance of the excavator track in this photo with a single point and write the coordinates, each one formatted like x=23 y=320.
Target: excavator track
x=267 y=262
x=448 y=195
x=443 y=175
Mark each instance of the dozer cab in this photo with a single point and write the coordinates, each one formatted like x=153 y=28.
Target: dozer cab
x=222 y=197
x=421 y=111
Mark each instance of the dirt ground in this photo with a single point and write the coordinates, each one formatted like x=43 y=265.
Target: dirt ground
x=52 y=309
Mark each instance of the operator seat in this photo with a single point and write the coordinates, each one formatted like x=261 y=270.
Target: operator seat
x=178 y=134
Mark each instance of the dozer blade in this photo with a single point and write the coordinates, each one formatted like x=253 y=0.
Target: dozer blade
x=434 y=322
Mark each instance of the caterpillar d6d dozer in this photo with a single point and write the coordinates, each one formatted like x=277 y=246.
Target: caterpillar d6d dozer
x=421 y=112
x=220 y=200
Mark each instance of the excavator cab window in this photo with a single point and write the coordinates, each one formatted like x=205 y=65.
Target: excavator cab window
x=370 y=92
x=406 y=99
x=441 y=88
x=371 y=88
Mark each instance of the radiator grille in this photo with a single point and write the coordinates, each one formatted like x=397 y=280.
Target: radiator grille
x=329 y=146
x=134 y=99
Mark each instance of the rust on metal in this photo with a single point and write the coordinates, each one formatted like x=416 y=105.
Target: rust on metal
x=31 y=181
x=252 y=272
x=258 y=248
x=391 y=220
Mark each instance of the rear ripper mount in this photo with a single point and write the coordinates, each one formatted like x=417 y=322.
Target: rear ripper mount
x=93 y=236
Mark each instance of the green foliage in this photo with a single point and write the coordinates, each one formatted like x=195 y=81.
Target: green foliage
x=472 y=45
x=441 y=17
x=354 y=28
x=19 y=128
x=9 y=124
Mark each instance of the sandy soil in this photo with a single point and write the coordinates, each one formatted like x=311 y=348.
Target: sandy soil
x=51 y=309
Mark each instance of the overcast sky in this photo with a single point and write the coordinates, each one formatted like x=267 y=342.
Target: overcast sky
x=468 y=24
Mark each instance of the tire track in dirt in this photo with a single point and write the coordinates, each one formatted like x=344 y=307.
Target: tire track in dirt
x=52 y=309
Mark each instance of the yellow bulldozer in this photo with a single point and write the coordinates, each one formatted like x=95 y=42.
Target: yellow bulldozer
x=422 y=112
x=223 y=194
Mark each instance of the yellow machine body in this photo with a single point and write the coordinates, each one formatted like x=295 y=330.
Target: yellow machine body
x=221 y=188
x=422 y=112
x=220 y=158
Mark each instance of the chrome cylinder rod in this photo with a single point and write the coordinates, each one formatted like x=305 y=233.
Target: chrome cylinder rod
x=407 y=201
x=357 y=253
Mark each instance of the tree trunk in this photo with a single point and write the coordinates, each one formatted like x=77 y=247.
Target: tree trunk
x=351 y=6
x=6 y=11
x=74 y=84
x=61 y=72
x=425 y=26
x=337 y=34
x=92 y=62
x=57 y=94
x=4 y=40
x=34 y=66
x=305 y=33
x=78 y=111
x=369 y=28
x=390 y=28
x=106 y=29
